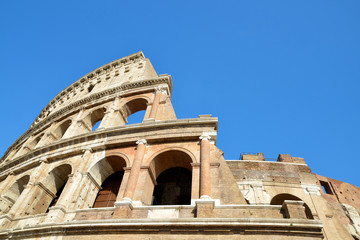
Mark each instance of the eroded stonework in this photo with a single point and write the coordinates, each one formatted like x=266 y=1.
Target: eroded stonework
x=162 y=178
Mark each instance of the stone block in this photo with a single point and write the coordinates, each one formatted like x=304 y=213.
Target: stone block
x=204 y=208
x=294 y=209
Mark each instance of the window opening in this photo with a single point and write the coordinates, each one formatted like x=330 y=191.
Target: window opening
x=110 y=188
x=173 y=187
x=326 y=187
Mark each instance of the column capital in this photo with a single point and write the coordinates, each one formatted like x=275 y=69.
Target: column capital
x=141 y=141
x=161 y=89
x=44 y=160
x=89 y=149
x=205 y=137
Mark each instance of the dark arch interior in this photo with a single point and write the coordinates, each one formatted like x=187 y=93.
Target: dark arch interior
x=173 y=187
x=110 y=188
x=60 y=130
x=96 y=118
x=55 y=200
x=280 y=198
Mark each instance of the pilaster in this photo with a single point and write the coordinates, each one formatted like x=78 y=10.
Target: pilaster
x=205 y=181
x=135 y=169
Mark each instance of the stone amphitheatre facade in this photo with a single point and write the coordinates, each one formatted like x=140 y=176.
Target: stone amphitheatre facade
x=163 y=178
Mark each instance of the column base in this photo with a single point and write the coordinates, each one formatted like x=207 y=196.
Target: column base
x=204 y=207
x=123 y=208
x=5 y=220
x=55 y=214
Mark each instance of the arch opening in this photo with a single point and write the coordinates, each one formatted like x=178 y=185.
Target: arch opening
x=136 y=117
x=96 y=126
x=105 y=167
x=60 y=130
x=110 y=189
x=280 y=198
x=108 y=173
x=173 y=172
x=173 y=187
x=35 y=142
x=96 y=117
x=135 y=110
x=55 y=200
x=9 y=197
x=55 y=182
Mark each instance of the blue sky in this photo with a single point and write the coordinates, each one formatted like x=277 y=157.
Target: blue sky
x=282 y=76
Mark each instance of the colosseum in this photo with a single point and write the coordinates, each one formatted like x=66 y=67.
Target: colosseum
x=81 y=171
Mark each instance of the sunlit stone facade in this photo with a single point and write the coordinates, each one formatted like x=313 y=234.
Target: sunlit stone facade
x=162 y=178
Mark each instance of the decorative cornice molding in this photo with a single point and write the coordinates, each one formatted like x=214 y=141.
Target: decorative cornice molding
x=76 y=106
x=31 y=158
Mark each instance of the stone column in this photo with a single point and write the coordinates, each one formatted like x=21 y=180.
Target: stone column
x=205 y=183
x=135 y=170
x=156 y=103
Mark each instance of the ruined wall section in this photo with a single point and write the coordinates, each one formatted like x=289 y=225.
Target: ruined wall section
x=264 y=182
x=344 y=201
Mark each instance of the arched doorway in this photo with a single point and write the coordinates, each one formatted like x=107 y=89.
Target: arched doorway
x=173 y=172
x=110 y=189
x=108 y=173
x=173 y=187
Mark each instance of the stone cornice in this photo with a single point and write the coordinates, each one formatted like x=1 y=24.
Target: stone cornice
x=105 y=69
x=123 y=135
x=111 y=92
x=263 y=226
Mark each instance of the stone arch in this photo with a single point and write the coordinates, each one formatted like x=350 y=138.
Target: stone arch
x=107 y=166
x=109 y=173
x=33 y=144
x=95 y=116
x=9 y=197
x=119 y=154
x=57 y=177
x=61 y=129
x=172 y=170
x=30 y=144
x=280 y=198
x=135 y=104
x=180 y=149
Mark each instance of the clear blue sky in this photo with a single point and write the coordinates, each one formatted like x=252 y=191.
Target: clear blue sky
x=282 y=76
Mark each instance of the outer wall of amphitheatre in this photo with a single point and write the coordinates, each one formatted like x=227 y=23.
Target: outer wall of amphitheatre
x=82 y=171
